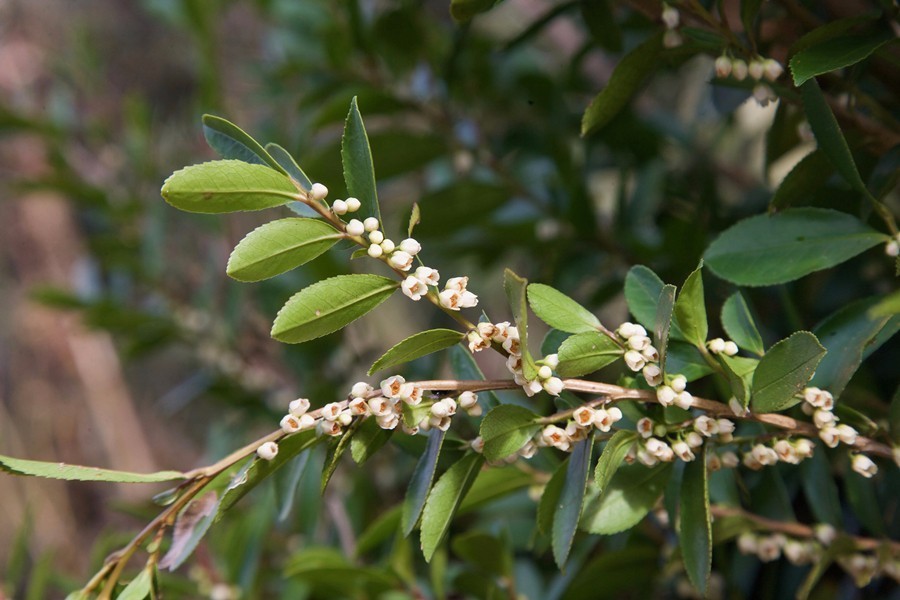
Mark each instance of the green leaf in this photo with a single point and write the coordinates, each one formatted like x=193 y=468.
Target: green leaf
x=749 y=13
x=630 y=495
x=463 y=366
x=464 y=10
x=359 y=171
x=369 y=438
x=515 y=293
x=290 y=166
x=820 y=489
x=800 y=185
x=772 y=249
x=444 y=500
x=685 y=359
x=690 y=309
x=191 y=525
x=415 y=217
x=139 y=587
x=612 y=457
x=559 y=311
x=571 y=499
x=739 y=325
x=420 y=482
x=829 y=136
x=484 y=552
x=413 y=415
x=600 y=19
x=695 y=533
x=287 y=490
x=849 y=335
x=625 y=81
x=836 y=54
x=492 y=484
x=58 y=470
x=889 y=305
x=231 y=142
x=664 y=314
x=223 y=186
x=335 y=454
x=642 y=291
x=329 y=305
x=550 y=498
x=417 y=346
x=585 y=353
x=505 y=429
x=784 y=371
x=739 y=371
x=279 y=246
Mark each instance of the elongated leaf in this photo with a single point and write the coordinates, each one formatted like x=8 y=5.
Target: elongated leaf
x=231 y=142
x=585 y=353
x=279 y=246
x=290 y=166
x=415 y=217
x=506 y=429
x=550 y=498
x=642 y=290
x=612 y=457
x=329 y=305
x=739 y=371
x=804 y=180
x=191 y=525
x=225 y=186
x=820 y=489
x=633 y=491
x=444 y=500
x=58 y=470
x=492 y=484
x=335 y=455
x=664 y=313
x=288 y=492
x=417 y=346
x=889 y=305
x=138 y=588
x=559 y=311
x=690 y=308
x=571 y=499
x=685 y=359
x=739 y=325
x=359 y=171
x=696 y=527
x=420 y=482
x=771 y=249
x=836 y=54
x=369 y=438
x=625 y=81
x=749 y=13
x=515 y=293
x=784 y=371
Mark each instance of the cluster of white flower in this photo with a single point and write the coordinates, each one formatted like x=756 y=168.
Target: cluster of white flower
x=820 y=405
x=640 y=355
x=671 y=19
x=720 y=346
x=675 y=392
x=455 y=295
x=792 y=452
x=892 y=248
x=759 y=69
x=656 y=447
x=583 y=420
x=770 y=547
x=508 y=337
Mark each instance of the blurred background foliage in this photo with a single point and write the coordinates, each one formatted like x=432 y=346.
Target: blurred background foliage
x=123 y=344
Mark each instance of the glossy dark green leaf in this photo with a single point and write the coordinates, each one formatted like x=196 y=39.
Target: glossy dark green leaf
x=633 y=491
x=279 y=246
x=416 y=346
x=444 y=500
x=585 y=353
x=359 y=171
x=631 y=572
x=690 y=309
x=329 y=305
x=559 y=311
x=368 y=439
x=225 y=186
x=820 y=489
x=58 y=470
x=695 y=533
x=420 y=482
x=515 y=287
x=492 y=484
x=772 y=249
x=801 y=184
x=484 y=552
x=612 y=457
x=664 y=313
x=335 y=454
x=624 y=83
x=887 y=306
x=685 y=359
x=739 y=372
x=571 y=499
x=784 y=371
x=463 y=366
x=836 y=54
x=550 y=498
x=505 y=429
x=231 y=142
x=642 y=290
x=739 y=325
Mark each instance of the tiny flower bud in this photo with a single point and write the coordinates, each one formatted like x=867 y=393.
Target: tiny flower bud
x=747 y=543
x=411 y=394
x=713 y=462
x=439 y=409
x=730 y=348
x=411 y=246
x=389 y=421
x=457 y=283
x=267 y=451
x=318 y=191
x=684 y=400
x=830 y=436
x=376 y=237
x=290 y=424
x=679 y=383
x=825 y=533
x=401 y=260
x=650 y=353
x=467 y=400
x=298 y=407
x=823 y=418
x=706 y=425
x=528 y=450
x=331 y=411
x=359 y=406
x=467 y=299
x=693 y=439
x=388 y=246
x=361 y=389
x=532 y=387
x=665 y=395
x=477 y=445
x=475 y=411
x=723 y=66
x=645 y=427
x=380 y=407
x=804 y=448
x=427 y=275
x=730 y=460
x=476 y=342
x=737 y=409
x=769 y=548
x=739 y=69
x=892 y=248
x=670 y=16
x=511 y=345
x=672 y=39
x=408 y=430
x=375 y=251
x=545 y=372
x=653 y=374
x=683 y=451
x=786 y=452
x=345 y=418
x=756 y=69
x=638 y=342
x=371 y=224
x=307 y=421
x=635 y=360
x=355 y=227
x=553 y=386
x=604 y=419
x=413 y=288
x=764 y=455
x=716 y=345
x=353 y=204
x=772 y=69
x=847 y=434
x=339 y=207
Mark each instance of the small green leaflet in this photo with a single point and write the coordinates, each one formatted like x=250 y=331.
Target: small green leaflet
x=835 y=54
x=690 y=309
x=632 y=493
x=515 y=293
x=58 y=470
x=784 y=371
x=505 y=429
x=550 y=497
x=420 y=482
x=336 y=452
x=642 y=292
x=139 y=587
x=559 y=311
x=739 y=325
x=571 y=499
x=803 y=181
x=279 y=246
x=329 y=305
x=359 y=170
x=612 y=457
x=223 y=186
x=368 y=439
x=287 y=162
x=444 y=500
x=585 y=353
x=232 y=142
x=695 y=533
x=664 y=314
x=417 y=346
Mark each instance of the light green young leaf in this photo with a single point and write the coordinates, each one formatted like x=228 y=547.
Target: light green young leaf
x=420 y=482
x=695 y=534
x=559 y=311
x=571 y=499
x=803 y=181
x=415 y=217
x=664 y=314
x=772 y=249
x=612 y=457
x=889 y=305
x=359 y=171
x=515 y=293
x=585 y=353
x=231 y=142
x=444 y=500
x=334 y=456
x=739 y=325
x=290 y=166
x=329 y=305
x=630 y=495
x=279 y=246
x=368 y=440
x=139 y=587
x=223 y=186
x=505 y=429
x=417 y=346
x=739 y=371
x=836 y=54
x=690 y=309
x=642 y=290
x=625 y=81
x=784 y=371
x=58 y=470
